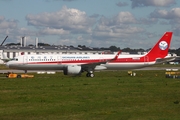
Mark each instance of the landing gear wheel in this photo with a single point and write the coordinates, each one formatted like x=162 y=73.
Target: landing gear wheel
x=89 y=75
x=18 y=76
x=92 y=75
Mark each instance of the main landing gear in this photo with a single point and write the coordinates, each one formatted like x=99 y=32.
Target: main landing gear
x=90 y=74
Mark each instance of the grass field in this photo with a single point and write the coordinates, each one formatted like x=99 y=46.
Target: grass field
x=109 y=96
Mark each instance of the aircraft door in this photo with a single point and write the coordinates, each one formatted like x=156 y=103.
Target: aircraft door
x=25 y=60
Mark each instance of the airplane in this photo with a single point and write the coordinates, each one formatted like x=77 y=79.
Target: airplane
x=75 y=64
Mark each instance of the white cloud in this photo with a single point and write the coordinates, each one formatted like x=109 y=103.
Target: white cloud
x=123 y=32
x=125 y=17
x=52 y=31
x=1 y=18
x=175 y=12
x=10 y=28
x=7 y=24
x=176 y=30
x=161 y=3
x=147 y=21
x=66 y=19
x=173 y=15
x=120 y=26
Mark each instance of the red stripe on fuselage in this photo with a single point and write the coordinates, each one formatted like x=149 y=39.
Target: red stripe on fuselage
x=119 y=60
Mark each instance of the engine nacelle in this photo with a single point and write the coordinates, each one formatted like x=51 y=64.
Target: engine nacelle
x=72 y=70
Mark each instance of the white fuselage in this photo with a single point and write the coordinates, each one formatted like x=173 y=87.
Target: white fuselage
x=60 y=62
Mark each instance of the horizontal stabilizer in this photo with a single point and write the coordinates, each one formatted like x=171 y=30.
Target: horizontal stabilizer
x=168 y=59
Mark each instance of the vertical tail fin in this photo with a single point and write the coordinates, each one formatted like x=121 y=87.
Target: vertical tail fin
x=160 y=50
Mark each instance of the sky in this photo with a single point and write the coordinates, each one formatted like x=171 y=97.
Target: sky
x=94 y=23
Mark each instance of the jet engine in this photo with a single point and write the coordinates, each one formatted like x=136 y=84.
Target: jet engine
x=72 y=70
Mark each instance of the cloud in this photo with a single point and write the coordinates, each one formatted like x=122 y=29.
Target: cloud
x=66 y=19
x=125 y=17
x=7 y=25
x=123 y=32
x=10 y=28
x=51 y=31
x=157 y=3
x=177 y=30
x=147 y=21
x=120 y=26
x=121 y=4
x=173 y=15
x=168 y=17
x=4 y=24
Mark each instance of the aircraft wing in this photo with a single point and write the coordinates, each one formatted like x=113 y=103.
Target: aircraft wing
x=97 y=65
x=168 y=59
x=92 y=66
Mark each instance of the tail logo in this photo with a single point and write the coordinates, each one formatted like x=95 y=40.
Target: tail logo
x=163 y=45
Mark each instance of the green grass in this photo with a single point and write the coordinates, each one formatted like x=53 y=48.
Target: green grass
x=110 y=95
x=3 y=67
